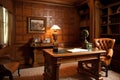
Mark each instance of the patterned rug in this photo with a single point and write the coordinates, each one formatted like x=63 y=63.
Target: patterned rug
x=67 y=72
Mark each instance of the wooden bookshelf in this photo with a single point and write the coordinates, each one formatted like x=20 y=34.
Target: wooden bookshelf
x=110 y=27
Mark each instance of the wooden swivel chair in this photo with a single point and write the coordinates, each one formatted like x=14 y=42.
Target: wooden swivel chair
x=8 y=67
x=105 y=44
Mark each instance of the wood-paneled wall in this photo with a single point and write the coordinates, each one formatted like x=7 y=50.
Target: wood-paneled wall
x=9 y=50
x=7 y=4
x=65 y=16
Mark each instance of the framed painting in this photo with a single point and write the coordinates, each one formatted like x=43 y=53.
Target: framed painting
x=36 y=24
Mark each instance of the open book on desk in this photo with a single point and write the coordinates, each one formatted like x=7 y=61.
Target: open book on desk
x=77 y=50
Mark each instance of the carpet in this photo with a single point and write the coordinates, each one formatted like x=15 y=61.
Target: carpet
x=67 y=72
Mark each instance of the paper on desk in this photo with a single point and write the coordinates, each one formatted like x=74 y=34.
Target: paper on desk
x=77 y=50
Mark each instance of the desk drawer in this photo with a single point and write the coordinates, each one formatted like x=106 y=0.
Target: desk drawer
x=76 y=58
x=84 y=57
x=66 y=59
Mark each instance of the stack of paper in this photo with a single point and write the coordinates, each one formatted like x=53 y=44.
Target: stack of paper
x=77 y=50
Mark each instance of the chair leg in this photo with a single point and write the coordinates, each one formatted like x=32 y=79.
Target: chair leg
x=10 y=75
x=6 y=72
x=1 y=77
x=106 y=72
x=19 y=72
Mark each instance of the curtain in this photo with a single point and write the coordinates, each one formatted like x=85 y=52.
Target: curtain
x=1 y=26
x=5 y=23
x=4 y=30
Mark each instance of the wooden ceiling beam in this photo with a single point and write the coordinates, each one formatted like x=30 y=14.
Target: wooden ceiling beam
x=69 y=3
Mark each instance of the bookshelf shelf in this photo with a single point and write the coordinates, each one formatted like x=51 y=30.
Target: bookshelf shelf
x=110 y=27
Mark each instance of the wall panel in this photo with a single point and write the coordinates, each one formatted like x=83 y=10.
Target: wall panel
x=64 y=16
x=9 y=50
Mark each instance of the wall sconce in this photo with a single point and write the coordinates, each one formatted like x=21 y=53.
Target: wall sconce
x=55 y=28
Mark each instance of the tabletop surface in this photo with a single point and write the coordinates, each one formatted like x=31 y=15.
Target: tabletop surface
x=65 y=52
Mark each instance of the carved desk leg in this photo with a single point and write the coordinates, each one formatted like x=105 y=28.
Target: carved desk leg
x=51 y=69
x=91 y=67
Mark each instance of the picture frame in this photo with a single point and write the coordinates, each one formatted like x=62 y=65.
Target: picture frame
x=36 y=24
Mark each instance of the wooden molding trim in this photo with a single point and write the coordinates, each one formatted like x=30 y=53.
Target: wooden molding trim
x=46 y=2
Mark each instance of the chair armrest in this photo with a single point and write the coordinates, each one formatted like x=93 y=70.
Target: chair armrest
x=110 y=53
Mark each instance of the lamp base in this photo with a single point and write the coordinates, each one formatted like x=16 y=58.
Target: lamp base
x=55 y=49
x=55 y=37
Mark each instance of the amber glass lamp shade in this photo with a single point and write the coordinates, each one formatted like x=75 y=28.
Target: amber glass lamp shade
x=55 y=28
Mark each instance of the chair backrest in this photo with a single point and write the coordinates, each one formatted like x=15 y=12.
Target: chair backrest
x=104 y=43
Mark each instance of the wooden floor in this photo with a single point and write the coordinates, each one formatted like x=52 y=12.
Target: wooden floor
x=67 y=72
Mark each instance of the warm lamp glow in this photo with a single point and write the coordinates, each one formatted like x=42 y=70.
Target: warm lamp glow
x=55 y=27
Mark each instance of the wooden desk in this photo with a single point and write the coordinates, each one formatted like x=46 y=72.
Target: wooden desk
x=38 y=48
x=53 y=61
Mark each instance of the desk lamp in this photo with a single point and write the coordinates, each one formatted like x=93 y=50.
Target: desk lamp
x=55 y=28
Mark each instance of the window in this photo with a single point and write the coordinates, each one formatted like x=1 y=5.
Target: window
x=4 y=26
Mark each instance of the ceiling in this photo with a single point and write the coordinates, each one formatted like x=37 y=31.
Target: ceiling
x=65 y=2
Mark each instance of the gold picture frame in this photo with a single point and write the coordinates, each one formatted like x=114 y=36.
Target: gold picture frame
x=36 y=24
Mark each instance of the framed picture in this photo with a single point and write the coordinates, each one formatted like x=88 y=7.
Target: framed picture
x=36 y=24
